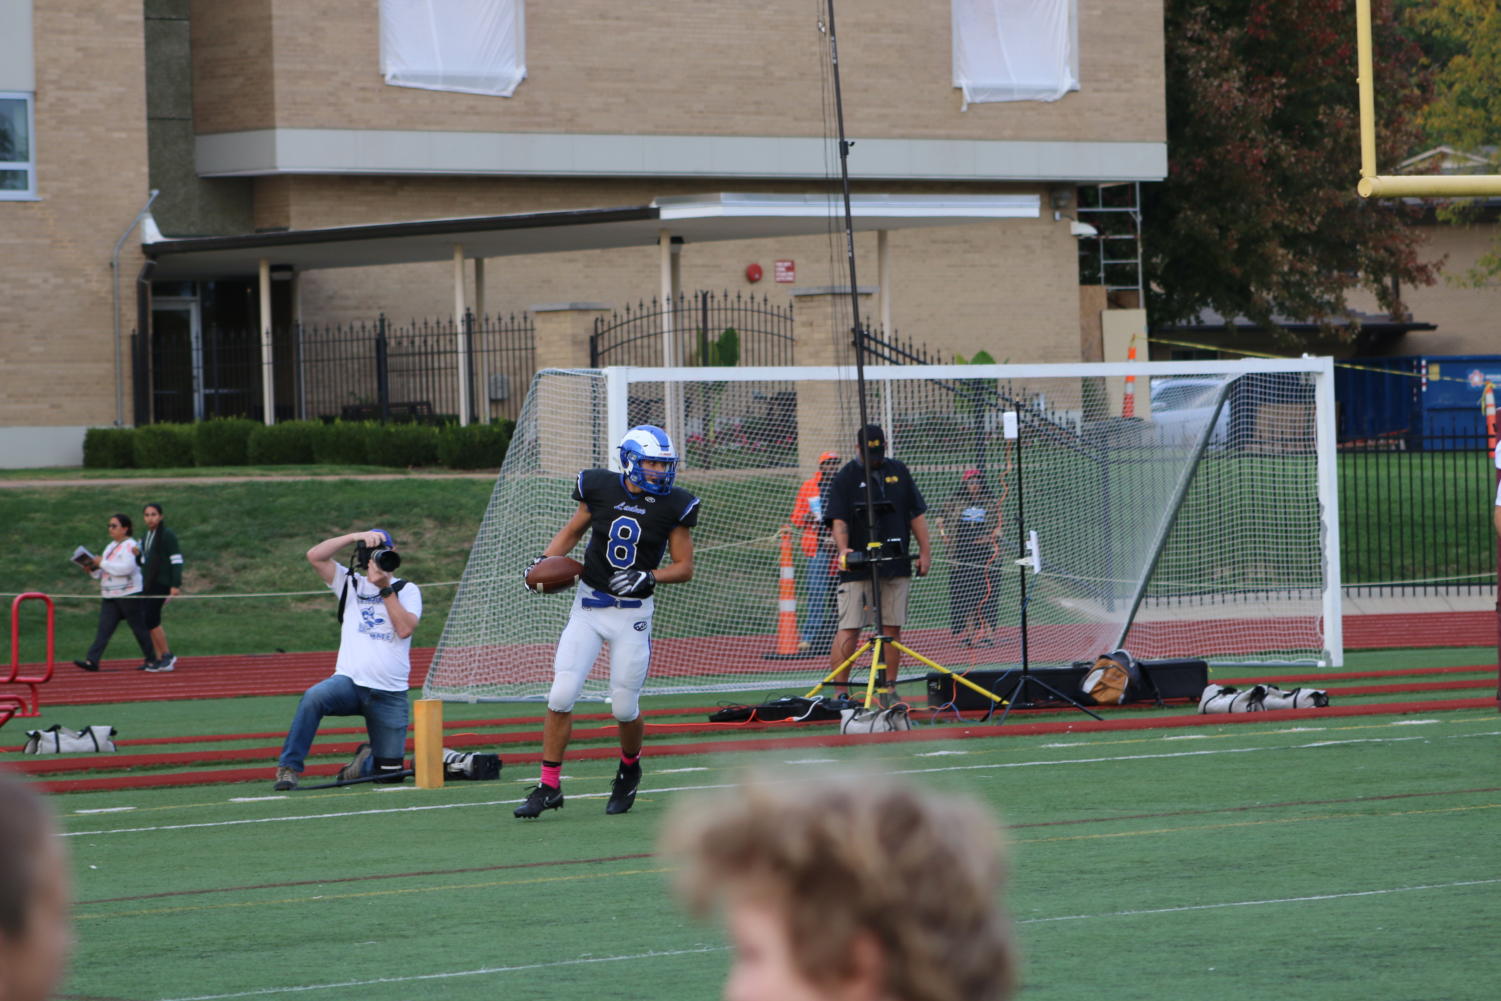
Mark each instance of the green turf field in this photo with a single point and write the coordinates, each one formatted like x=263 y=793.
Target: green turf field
x=1351 y=860
x=1347 y=858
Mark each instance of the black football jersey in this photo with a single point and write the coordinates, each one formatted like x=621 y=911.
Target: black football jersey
x=629 y=530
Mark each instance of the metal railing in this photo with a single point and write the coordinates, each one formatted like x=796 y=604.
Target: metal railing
x=701 y=321
x=1416 y=515
x=372 y=370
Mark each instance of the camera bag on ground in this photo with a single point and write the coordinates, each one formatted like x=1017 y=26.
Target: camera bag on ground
x=793 y=707
x=1260 y=698
x=1114 y=680
x=470 y=765
x=58 y=739
x=875 y=720
x=1229 y=699
x=1298 y=698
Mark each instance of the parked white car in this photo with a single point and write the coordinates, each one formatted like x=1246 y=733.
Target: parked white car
x=1180 y=407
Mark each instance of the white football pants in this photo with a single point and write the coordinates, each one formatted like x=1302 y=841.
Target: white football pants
x=627 y=630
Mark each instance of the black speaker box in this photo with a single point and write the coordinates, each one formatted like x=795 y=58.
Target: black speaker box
x=1175 y=679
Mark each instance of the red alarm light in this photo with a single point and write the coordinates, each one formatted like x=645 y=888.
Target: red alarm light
x=753 y=273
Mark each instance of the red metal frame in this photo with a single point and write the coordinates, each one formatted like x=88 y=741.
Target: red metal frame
x=16 y=705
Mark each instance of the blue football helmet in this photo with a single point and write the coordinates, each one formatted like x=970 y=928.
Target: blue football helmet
x=647 y=441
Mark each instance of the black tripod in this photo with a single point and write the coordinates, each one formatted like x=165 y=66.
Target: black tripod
x=875 y=553
x=1025 y=679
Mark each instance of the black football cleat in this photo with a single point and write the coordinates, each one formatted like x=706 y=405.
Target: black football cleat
x=542 y=797
x=623 y=789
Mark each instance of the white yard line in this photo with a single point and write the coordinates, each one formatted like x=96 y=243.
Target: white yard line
x=991 y=766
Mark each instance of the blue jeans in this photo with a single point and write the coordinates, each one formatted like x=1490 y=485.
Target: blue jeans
x=386 y=717
x=818 y=588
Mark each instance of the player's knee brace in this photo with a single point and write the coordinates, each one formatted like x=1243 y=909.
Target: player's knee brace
x=389 y=769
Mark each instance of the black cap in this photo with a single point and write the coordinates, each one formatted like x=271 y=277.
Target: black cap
x=872 y=441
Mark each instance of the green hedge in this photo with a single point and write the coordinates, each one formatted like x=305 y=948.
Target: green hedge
x=223 y=441
x=478 y=446
x=344 y=442
x=163 y=446
x=108 y=448
x=403 y=445
x=287 y=444
x=237 y=441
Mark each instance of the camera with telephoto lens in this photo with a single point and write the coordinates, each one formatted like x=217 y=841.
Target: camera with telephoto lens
x=890 y=549
x=385 y=557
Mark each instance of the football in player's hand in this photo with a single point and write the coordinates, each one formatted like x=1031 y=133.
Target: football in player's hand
x=553 y=574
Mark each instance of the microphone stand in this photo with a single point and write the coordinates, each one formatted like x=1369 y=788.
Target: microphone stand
x=1011 y=424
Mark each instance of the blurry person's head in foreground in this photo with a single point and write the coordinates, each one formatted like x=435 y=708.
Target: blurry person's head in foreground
x=859 y=889
x=34 y=931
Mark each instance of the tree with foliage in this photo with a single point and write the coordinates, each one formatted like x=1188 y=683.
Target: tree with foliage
x=1259 y=216
x=1462 y=40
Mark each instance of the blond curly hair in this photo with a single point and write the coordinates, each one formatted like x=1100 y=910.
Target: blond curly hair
x=921 y=874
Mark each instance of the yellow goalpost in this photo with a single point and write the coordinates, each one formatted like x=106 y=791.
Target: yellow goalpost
x=1374 y=185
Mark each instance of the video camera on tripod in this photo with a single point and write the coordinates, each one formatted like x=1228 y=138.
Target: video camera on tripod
x=885 y=551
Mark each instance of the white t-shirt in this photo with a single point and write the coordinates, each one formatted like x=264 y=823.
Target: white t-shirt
x=119 y=574
x=370 y=652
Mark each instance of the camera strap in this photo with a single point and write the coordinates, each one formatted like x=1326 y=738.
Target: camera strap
x=344 y=594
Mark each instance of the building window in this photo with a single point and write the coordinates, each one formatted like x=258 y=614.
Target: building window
x=1015 y=50
x=17 y=156
x=468 y=46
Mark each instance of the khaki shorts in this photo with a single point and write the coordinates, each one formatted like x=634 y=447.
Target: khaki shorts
x=857 y=611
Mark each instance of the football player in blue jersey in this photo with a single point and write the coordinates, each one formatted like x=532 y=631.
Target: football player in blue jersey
x=632 y=517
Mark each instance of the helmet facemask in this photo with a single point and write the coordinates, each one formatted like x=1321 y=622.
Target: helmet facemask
x=648 y=442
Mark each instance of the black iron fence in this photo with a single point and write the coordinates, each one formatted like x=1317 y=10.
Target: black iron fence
x=1416 y=515
x=362 y=371
x=711 y=328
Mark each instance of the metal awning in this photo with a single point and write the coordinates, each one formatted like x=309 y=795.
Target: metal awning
x=695 y=218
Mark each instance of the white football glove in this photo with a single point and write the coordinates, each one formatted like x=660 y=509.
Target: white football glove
x=528 y=569
x=633 y=583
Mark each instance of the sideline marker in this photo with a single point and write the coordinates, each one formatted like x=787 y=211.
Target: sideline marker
x=427 y=743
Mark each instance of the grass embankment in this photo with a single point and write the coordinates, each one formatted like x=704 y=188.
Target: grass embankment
x=246 y=538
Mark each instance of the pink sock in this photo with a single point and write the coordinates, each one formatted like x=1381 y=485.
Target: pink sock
x=552 y=774
x=630 y=759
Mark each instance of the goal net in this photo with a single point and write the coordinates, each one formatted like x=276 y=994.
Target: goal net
x=1204 y=525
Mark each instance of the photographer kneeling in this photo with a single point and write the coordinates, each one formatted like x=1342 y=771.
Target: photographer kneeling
x=377 y=613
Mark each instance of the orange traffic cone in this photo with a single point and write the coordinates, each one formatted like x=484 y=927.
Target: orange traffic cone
x=1128 y=405
x=787 y=603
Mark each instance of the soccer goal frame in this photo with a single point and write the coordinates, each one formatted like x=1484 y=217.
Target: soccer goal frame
x=1261 y=434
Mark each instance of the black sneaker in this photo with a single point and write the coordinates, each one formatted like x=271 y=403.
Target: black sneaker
x=149 y=665
x=87 y=665
x=623 y=789
x=167 y=662
x=542 y=797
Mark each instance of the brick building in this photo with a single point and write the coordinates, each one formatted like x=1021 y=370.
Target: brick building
x=266 y=126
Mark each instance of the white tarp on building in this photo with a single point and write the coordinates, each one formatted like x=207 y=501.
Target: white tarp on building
x=1015 y=50
x=470 y=46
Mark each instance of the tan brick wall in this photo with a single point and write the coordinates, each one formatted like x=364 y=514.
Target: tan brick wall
x=1466 y=315
x=233 y=69
x=717 y=67
x=57 y=362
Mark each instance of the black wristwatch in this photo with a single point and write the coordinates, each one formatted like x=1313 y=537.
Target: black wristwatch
x=387 y=591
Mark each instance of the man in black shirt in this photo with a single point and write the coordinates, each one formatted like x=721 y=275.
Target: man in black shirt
x=899 y=515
